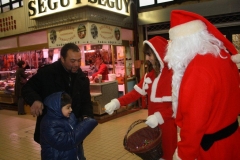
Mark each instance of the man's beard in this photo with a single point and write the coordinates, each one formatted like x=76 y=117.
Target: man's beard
x=177 y=59
x=180 y=53
x=74 y=68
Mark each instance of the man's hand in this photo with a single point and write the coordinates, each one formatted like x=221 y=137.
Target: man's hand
x=36 y=108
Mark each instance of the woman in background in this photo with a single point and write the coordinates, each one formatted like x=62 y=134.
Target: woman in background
x=101 y=68
x=21 y=79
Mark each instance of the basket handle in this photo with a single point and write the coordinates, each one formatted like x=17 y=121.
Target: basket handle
x=131 y=127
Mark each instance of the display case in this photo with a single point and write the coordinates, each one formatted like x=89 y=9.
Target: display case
x=7 y=82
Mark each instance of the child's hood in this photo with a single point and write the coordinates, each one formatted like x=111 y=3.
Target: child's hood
x=53 y=103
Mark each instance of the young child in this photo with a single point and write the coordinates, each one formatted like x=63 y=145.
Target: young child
x=61 y=132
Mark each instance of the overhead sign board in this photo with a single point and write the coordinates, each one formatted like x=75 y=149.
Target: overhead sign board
x=84 y=33
x=39 y=8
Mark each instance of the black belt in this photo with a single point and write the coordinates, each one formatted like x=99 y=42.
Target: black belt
x=209 y=139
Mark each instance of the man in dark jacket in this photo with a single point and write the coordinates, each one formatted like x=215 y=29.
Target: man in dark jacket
x=62 y=75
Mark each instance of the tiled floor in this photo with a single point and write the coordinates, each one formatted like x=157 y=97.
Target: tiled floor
x=104 y=143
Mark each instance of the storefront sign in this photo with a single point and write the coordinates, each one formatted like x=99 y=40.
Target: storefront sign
x=39 y=8
x=104 y=34
x=84 y=33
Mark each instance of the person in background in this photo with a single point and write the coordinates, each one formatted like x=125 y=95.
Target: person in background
x=157 y=85
x=21 y=79
x=1 y=63
x=27 y=65
x=206 y=93
x=91 y=69
x=70 y=132
x=91 y=65
x=101 y=68
x=62 y=75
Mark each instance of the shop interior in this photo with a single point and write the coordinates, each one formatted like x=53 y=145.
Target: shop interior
x=119 y=60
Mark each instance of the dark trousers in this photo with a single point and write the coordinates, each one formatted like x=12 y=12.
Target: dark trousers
x=20 y=105
x=82 y=156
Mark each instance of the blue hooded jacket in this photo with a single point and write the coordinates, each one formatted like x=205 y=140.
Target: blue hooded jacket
x=60 y=136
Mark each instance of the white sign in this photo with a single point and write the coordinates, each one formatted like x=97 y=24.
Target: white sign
x=146 y=3
x=163 y=1
x=143 y=3
x=104 y=34
x=84 y=33
x=39 y=8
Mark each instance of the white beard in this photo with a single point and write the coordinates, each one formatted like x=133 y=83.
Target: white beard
x=180 y=53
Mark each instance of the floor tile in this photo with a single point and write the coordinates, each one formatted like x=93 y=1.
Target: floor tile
x=104 y=143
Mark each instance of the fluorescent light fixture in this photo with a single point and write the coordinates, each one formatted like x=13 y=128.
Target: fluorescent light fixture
x=143 y=3
x=162 y=1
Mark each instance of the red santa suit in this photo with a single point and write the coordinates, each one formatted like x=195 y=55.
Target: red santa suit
x=103 y=70
x=159 y=94
x=208 y=102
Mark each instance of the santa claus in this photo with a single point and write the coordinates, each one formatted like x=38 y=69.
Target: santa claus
x=206 y=93
x=157 y=85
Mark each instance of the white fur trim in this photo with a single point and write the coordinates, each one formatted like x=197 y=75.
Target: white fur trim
x=154 y=89
x=153 y=97
x=236 y=58
x=156 y=53
x=163 y=99
x=145 y=87
x=116 y=102
x=178 y=158
x=166 y=99
x=139 y=90
x=159 y=117
x=142 y=90
x=147 y=80
x=186 y=29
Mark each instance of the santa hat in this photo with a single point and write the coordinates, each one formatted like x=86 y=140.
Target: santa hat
x=158 y=45
x=184 y=23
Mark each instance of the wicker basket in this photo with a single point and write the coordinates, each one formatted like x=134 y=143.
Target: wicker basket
x=145 y=142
